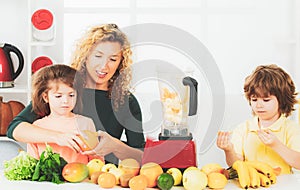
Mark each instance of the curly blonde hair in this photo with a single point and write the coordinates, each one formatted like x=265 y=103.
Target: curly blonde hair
x=119 y=84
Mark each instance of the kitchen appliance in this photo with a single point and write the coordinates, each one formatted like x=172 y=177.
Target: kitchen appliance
x=7 y=71
x=175 y=146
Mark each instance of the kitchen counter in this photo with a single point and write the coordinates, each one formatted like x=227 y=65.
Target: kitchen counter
x=287 y=182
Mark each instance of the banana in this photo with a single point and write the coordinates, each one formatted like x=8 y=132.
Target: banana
x=262 y=167
x=264 y=180
x=243 y=173
x=254 y=177
x=273 y=178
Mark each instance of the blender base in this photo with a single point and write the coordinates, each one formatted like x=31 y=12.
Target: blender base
x=179 y=154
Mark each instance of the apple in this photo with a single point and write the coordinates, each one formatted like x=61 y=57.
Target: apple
x=108 y=167
x=194 y=179
x=95 y=165
x=176 y=174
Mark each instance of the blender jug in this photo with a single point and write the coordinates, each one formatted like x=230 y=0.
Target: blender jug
x=178 y=95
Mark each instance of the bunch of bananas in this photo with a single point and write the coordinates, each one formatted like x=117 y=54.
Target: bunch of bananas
x=254 y=174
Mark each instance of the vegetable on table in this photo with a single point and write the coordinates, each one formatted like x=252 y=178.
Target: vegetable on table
x=20 y=167
x=49 y=167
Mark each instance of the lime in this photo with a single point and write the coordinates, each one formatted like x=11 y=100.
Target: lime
x=165 y=181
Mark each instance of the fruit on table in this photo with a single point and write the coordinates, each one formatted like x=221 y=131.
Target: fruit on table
x=117 y=172
x=95 y=165
x=190 y=168
x=243 y=173
x=124 y=179
x=262 y=167
x=264 y=180
x=94 y=177
x=194 y=179
x=177 y=175
x=75 y=172
x=211 y=167
x=89 y=138
x=165 y=181
x=216 y=180
x=254 y=173
x=254 y=177
x=151 y=170
x=106 y=180
x=138 y=182
x=130 y=165
x=108 y=167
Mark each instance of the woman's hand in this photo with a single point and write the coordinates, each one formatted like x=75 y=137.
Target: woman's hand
x=223 y=141
x=107 y=144
x=267 y=137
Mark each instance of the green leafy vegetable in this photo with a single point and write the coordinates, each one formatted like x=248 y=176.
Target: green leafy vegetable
x=20 y=167
x=49 y=167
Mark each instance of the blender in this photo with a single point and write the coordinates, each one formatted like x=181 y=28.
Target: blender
x=175 y=146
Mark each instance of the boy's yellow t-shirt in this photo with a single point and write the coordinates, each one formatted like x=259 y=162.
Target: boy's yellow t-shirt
x=247 y=143
x=75 y=124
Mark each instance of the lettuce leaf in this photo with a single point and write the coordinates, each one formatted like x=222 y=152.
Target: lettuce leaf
x=20 y=167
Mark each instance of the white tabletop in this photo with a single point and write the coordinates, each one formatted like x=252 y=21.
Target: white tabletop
x=286 y=182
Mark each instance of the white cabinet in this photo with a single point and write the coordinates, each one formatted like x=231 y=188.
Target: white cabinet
x=19 y=32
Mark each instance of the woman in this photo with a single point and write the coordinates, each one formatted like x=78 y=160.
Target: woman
x=103 y=57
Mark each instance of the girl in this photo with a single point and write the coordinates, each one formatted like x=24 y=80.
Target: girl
x=269 y=136
x=56 y=93
x=103 y=56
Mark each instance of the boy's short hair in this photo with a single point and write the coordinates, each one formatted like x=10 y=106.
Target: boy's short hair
x=269 y=80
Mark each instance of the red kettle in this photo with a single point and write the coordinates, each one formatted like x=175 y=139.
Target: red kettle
x=7 y=71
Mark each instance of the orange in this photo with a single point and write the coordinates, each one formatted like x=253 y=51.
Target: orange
x=130 y=165
x=106 y=180
x=138 y=182
x=151 y=170
x=90 y=140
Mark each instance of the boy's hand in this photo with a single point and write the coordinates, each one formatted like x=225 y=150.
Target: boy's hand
x=267 y=137
x=223 y=141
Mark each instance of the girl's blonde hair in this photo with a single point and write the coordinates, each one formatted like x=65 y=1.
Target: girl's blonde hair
x=42 y=82
x=118 y=86
x=269 y=80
